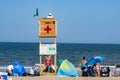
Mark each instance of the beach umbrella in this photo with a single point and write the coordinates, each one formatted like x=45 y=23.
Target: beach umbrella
x=93 y=60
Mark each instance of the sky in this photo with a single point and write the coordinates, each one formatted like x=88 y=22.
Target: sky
x=78 y=21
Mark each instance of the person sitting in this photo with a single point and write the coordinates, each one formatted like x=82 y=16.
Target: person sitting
x=32 y=71
x=9 y=70
x=48 y=63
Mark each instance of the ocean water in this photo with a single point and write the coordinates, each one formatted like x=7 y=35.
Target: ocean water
x=28 y=53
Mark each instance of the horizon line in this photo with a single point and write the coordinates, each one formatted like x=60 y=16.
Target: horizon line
x=57 y=42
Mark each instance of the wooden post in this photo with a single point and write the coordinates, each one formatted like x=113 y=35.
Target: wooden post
x=54 y=40
x=40 y=40
x=55 y=62
x=40 y=55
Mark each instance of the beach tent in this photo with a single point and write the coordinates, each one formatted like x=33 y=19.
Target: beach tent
x=66 y=68
x=19 y=69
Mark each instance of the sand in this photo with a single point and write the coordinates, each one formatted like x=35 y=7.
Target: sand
x=51 y=77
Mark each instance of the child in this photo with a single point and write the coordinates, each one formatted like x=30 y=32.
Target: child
x=97 y=67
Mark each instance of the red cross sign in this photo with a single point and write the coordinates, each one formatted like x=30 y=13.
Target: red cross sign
x=47 y=29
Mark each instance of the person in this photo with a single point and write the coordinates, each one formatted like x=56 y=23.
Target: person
x=35 y=70
x=32 y=71
x=94 y=70
x=83 y=66
x=48 y=63
x=82 y=63
x=84 y=72
x=97 y=68
x=9 y=70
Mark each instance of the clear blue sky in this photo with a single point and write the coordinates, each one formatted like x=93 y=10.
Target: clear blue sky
x=79 y=21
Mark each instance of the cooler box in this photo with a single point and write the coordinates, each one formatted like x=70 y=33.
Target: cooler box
x=3 y=76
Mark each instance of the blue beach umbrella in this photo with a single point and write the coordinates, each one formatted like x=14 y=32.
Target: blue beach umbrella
x=93 y=60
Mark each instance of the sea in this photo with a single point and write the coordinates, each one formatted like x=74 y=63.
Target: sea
x=28 y=53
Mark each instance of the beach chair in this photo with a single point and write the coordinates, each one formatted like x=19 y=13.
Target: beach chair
x=117 y=69
x=104 y=72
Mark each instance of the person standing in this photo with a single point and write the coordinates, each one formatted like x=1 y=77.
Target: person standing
x=83 y=66
x=97 y=67
x=82 y=63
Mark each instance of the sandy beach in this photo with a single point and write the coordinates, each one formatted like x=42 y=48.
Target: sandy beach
x=48 y=77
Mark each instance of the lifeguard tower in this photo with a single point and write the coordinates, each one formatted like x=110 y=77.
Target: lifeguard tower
x=47 y=29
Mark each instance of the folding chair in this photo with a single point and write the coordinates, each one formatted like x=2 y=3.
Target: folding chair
x=117 y=69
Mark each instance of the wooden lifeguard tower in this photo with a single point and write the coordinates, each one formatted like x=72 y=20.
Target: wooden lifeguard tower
x=47 y=29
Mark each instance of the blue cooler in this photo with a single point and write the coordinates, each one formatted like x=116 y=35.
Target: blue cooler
x=4 y=76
